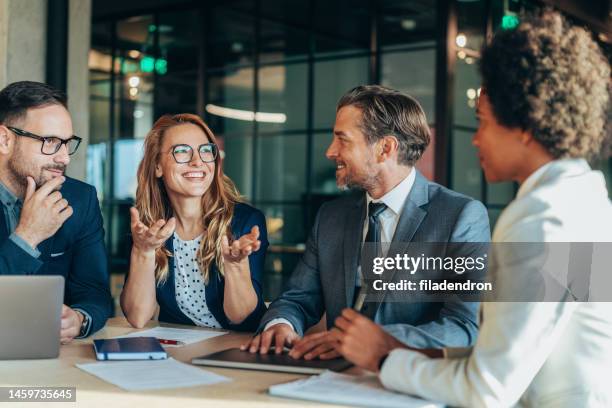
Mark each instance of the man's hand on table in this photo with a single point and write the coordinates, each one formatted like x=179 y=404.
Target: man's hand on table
x=317 y=345
x=71 y=324
x=278 y=335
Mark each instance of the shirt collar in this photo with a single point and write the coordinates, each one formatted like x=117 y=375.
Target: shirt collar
x=396 y=197
x=7 y=198
x=541 y=174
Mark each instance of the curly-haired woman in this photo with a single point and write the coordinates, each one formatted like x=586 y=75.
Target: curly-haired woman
x=198 y=251
x=543 y=111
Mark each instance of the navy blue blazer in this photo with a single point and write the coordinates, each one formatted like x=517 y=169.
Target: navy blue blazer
x=76 y=252
x=245 y=217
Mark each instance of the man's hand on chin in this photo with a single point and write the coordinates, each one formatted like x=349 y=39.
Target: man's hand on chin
x=71 y=324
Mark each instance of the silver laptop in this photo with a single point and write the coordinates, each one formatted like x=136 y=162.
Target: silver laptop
x=30 y=316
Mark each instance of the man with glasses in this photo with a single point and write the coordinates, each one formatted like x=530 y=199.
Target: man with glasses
x=50 y=224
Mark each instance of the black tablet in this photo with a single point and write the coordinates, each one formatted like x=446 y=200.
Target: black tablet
x=236 y=358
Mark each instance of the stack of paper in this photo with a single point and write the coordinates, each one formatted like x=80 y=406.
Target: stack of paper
x=185 y=336
x=364 y=391
x=151 y=374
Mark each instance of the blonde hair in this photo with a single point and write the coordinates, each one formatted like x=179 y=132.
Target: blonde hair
x=153 y=203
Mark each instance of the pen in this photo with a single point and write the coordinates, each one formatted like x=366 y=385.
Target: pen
x=171 y=342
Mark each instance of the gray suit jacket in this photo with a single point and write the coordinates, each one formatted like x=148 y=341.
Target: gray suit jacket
x=324 y=279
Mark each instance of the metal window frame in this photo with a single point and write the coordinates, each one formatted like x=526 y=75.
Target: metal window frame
x=446 y=15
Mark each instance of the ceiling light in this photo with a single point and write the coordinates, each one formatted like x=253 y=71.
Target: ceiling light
x=408 y=24
x=245 y=115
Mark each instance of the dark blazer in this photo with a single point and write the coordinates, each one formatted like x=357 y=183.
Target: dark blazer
x=76 y=252
x=245 y=217
x=324 y=279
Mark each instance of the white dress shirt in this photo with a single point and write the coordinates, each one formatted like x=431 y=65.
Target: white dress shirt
x=530 y=353
x=394 y=199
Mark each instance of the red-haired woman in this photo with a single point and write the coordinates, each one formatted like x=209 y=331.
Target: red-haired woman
x=198 y=251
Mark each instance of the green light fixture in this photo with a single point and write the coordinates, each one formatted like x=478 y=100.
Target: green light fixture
x=509 y=22
x=147 y=64
x=161 y=66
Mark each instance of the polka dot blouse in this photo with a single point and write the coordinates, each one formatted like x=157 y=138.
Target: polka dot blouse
x=189 y=283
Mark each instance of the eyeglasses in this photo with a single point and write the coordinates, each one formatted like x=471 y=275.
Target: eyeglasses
x=51 y=144
x=184 y=153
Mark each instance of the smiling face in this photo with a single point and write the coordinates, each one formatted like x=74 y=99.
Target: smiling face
x=500 y=150
x=354 y=157
x=191 y=179
x=27 y=158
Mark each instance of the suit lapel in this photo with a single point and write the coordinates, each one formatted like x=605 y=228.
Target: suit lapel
x=412 y=215
x=408 y=224
x=410 y=220
x=353 y=233
x=171 y=271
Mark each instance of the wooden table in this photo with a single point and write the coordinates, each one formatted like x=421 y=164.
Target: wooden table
x=248 y=388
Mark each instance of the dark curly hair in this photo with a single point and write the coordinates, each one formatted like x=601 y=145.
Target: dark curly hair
x=550 y=78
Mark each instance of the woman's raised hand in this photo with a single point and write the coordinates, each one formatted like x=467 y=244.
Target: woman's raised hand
x=148 y=239
x=241 y=248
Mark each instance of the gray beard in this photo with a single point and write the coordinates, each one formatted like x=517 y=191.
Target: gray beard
x=366 y=185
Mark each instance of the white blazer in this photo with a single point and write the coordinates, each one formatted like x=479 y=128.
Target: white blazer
x=539 y=354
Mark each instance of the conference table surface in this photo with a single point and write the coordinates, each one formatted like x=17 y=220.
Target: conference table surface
x=248 y=388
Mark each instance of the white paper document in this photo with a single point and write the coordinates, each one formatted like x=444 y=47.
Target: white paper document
x=363 y=391
x=185 y=336
x=151 y=374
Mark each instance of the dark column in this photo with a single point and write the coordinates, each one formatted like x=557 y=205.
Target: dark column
x=374 y=71
x=57 y=43
x=445 y=72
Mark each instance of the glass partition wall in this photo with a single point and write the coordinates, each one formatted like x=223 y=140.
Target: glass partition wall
x=266 y=76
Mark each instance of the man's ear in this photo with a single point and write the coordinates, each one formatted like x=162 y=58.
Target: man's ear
x=6 y=140
x=388 y=147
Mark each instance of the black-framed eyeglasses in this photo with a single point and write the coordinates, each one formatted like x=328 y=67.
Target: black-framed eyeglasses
x=183 y=153
x=50 y=144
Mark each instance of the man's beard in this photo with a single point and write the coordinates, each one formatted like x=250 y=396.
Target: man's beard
x=20 y=169
x=365 y=183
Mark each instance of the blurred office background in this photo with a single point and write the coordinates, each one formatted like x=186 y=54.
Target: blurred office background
x=265 y=75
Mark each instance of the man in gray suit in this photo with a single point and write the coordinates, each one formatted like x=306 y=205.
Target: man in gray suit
x=379 y=135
